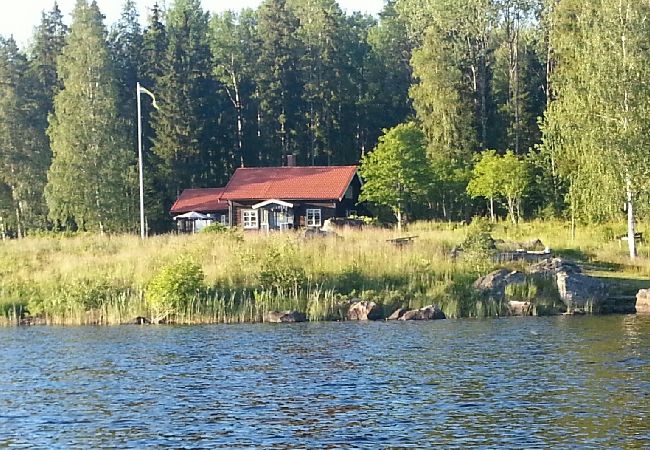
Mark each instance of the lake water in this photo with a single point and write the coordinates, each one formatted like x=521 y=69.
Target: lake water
x=516 y=382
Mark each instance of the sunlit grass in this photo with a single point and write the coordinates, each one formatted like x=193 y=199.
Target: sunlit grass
x=43 y=274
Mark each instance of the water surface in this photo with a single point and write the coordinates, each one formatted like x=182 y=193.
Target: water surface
x=561 y=382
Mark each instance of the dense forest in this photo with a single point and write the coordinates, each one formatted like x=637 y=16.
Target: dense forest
x=517 y=108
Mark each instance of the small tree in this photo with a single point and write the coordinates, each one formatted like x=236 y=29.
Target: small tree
x=486 y=179
x=397 y=173
x=513 y=182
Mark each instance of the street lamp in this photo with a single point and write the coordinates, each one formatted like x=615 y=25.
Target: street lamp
x=139 y=89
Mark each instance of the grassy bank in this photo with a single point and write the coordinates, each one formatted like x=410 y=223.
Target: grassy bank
x=110 y=279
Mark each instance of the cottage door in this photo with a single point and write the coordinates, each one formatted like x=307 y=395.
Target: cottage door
x=273 y=220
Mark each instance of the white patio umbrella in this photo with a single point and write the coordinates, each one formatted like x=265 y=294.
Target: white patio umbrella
x=192 y=215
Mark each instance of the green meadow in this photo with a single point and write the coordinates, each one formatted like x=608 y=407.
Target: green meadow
x=233 y=277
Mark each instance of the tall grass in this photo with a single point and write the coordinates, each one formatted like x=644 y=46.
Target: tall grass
x=91 y=279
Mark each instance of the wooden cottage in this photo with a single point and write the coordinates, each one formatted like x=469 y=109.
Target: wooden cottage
x=207 y=202
x=278 y=198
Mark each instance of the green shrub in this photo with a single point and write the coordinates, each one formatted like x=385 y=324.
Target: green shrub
x=281 y=270
x=173 y=287
x=215 y=228
x=478 y=245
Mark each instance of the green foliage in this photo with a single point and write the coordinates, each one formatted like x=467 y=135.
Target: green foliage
x=173 y=287
x=486 y=178
x=397 y=173
x=500 y=176
x=281 y=270
x=215 y=228
x=91 y=178
x=478 y=246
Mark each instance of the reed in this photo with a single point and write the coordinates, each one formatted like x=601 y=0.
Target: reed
x=91 y=279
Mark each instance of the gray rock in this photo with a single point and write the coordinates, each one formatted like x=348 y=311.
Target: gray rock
x=141 y=321
x=534 y=244
x=494 y=284
x=284 y=317
x=399 y=312
x=430 y=312
x=363 y=310
x=643 y=301
x=580 y=292
x=552 y=266
x=520 y=308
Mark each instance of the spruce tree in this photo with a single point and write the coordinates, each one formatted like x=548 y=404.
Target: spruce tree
x=151 y=70
x=235 y=53
x=186 y=139
x=23 y=154
x=91 y=179
x=125 y=42
x=278 y=82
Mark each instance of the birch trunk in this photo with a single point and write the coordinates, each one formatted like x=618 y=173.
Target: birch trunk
x=631 y=224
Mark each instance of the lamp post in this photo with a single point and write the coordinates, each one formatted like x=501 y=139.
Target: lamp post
x=139 y=89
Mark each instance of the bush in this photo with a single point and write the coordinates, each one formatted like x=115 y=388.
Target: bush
x=173 y=287
x=215 y=228
x=478 y=245
x=281 y=270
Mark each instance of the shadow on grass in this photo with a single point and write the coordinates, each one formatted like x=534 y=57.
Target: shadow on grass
x=587 y=260
x=624 y=286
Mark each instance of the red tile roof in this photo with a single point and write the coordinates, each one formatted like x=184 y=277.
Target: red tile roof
x=289 y=183
x=200 y=200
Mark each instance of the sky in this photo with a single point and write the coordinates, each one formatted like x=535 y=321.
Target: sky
x=18 y=18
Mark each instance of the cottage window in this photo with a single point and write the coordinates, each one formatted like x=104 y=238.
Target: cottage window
x=249 y=218
x=313 y=218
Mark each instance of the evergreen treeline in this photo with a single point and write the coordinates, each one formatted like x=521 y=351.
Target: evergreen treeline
x=526 y=107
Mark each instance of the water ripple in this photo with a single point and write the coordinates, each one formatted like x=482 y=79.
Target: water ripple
x=519 y=383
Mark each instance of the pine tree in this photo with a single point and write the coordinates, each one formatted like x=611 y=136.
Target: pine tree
x=151 y=71
x=235 y=52
x=389 y=74
x=279 y=90
x=23 y=154
x=186 y=140
x=125 y=42
x=325 y=75
x=90 y=181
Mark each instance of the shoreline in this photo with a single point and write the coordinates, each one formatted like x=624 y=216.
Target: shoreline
x=235 y=278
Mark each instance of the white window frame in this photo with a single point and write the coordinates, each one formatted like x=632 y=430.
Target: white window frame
x=224 y=220
x=311 y=221
x=250 y=219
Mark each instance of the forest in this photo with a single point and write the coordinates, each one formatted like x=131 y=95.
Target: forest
x=505 y=108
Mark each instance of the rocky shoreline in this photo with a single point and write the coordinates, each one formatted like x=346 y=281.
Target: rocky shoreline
x=552 y=286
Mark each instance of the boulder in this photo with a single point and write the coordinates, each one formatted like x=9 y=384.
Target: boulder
x=518 y=308
x=430 y=312
x=494 y=284
x=141 y=321
x=312 y=232
x=534 y=245
x=284 y=317
x=643 y=301
x=399 y=312
x=363 y=310
x=551 y=266
x=341 y=223
x=580 y=292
